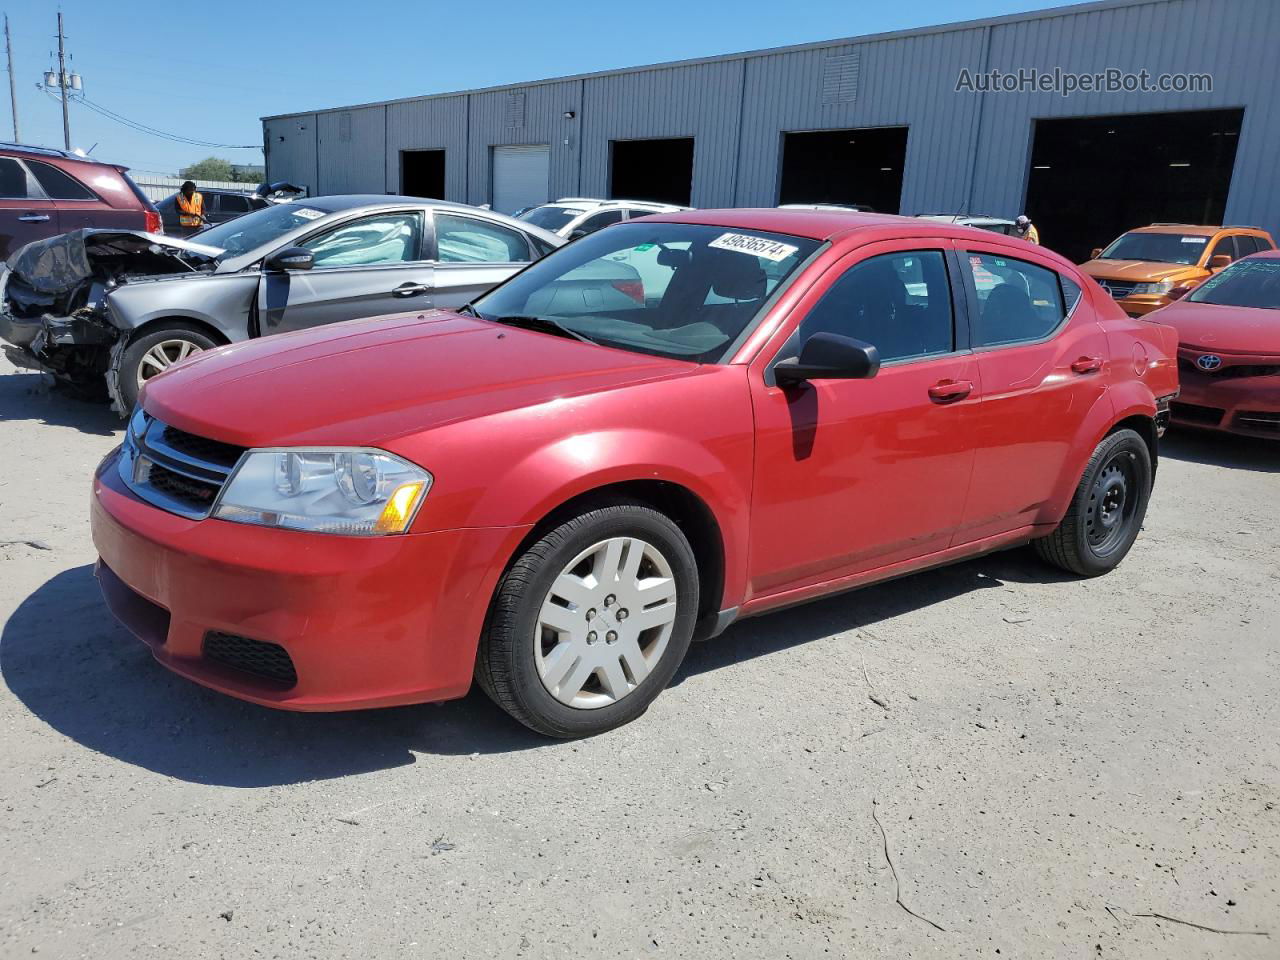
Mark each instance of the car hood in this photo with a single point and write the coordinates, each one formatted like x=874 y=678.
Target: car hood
x=1138 y=271
x=61 y=263
x=1247 y=330
x=368 y=382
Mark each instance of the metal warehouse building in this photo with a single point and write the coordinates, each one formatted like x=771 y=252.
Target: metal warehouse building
x=876 y=120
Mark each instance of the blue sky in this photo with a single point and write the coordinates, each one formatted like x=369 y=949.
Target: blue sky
x=212 y=75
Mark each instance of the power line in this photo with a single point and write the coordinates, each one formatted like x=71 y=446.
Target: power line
x=153 y=131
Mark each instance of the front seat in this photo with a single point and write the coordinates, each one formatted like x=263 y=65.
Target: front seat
x=1004 y=315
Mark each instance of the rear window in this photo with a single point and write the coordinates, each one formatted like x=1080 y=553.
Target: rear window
x=1246 y=283
x=58 y=185
x=1157 y=248
x=13 y=180
x=549 y=217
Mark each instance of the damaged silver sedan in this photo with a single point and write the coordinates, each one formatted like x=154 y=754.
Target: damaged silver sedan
x=105 y=310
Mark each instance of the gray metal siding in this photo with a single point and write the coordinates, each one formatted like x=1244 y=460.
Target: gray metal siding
x=698 y=101
x=437 y=124
x=964 y=151
x=544 y=122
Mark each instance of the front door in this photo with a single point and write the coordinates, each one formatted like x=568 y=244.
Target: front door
x=852 y=475
x=1041 y=355
x=363 y=268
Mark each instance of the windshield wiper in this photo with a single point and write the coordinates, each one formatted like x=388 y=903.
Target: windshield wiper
x=543 y=324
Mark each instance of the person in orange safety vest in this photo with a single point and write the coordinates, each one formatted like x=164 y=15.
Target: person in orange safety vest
x=190 y=209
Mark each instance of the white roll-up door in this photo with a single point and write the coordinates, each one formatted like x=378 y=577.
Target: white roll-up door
x=521 y=177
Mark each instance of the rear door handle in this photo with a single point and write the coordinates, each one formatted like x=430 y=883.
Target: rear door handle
x=410 y=290
x=949 y=391
x=1087 y=365
x=34 y=218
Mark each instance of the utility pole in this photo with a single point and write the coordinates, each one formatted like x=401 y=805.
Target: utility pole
x=13 y=90
x=62 y=85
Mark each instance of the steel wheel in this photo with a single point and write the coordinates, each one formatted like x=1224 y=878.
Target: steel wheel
x=162 y=356
x=1112 y=504
x=605 y=622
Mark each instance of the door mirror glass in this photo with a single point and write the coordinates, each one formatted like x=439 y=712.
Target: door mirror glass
x=829 y=356
x=290 y=258
x=1219 y=260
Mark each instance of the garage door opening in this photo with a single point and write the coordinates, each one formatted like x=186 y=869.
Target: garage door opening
x=845 y=166
x=659 y=170
x=1093 y=178
x=422 y=174
x=521 y=177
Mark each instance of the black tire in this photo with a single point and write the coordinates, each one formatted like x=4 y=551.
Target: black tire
x=1107 y=510
x=126 y=390
x=506 y=666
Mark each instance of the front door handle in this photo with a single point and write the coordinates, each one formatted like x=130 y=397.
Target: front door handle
x=410 y=290
x=1087 y=365
x=949 y=391
x=34 y=218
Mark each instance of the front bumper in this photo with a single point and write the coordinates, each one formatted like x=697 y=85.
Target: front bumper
x=1249 y=406
x=366 y=622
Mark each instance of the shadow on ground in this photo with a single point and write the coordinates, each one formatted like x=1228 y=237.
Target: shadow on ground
x=33 y=397
x=1221 y=450
x=67 y=660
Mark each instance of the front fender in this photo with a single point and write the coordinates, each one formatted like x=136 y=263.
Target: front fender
x=222 y=302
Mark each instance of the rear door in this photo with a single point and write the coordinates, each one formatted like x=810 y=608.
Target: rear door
x=364 y=267
x=26 y=214
x=473 y=254
x=852 y=475
x=1043 y=358
x=78 y=205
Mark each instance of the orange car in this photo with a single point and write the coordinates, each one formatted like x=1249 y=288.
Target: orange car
x=1149 y=267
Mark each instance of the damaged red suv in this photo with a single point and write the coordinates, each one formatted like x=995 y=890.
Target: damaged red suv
x=662 y=428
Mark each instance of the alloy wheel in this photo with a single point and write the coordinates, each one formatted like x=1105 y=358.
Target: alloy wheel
x=605 y=622
x=162 y=356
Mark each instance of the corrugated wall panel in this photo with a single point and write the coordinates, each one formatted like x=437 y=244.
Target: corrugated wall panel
x=291 y=150
x=544 y=109
x=965 y=151
x=352 y=148
x=432 y=124
x=699 y=101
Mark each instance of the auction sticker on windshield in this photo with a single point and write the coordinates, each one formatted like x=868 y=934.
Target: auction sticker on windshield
x=308 y=213
x=756 y=246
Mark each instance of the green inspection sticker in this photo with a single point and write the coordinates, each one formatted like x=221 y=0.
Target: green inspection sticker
x=643 y=247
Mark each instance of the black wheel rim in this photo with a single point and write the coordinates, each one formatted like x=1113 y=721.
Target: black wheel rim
x=1113 y=504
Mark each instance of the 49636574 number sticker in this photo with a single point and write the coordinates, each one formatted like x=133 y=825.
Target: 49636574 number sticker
x=756 y=246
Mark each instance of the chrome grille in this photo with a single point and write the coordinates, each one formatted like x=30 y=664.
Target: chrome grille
x=1117 y=288
x=175 y=470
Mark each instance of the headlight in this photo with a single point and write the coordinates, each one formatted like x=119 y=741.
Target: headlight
x=357 y=492
x=1160 y=287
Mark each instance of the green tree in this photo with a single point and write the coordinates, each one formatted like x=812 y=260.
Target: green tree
x=210 y=168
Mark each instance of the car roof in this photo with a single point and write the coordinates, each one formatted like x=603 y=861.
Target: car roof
x=1195 y=229
x=962 y=218
x=348 y=201
x=828 y=224
x=34 y=151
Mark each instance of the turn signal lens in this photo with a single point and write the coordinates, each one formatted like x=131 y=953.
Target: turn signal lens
x=400 y=508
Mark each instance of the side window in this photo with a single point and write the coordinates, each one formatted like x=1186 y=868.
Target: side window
x=632 y=214
x=387 y=238
x=1018 y=302
x=13 y=180
x=58 y=185
x=900 y=303
x=1263 y=243
x=1071 y=293
x=599 y=221
x=1223 y=246
x=540 y=247
x=1250 y=245
x=230 y=203
x=465 y=240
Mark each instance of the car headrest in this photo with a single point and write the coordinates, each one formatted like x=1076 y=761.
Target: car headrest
x=736 y=276
x=673 y=257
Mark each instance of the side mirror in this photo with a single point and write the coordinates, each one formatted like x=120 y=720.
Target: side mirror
x=829 y=356
x=1177 y=293
x=290 y=258
x=1219 y=260
x=1097 y=252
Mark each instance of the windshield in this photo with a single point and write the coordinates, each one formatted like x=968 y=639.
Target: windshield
x=1246 y=283
x=549 y=217
x=260 y=227
x=1157 y=247
x=686 y=291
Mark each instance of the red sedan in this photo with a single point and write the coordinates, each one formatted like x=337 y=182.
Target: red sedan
x=1229 y=349
x=662 y=428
